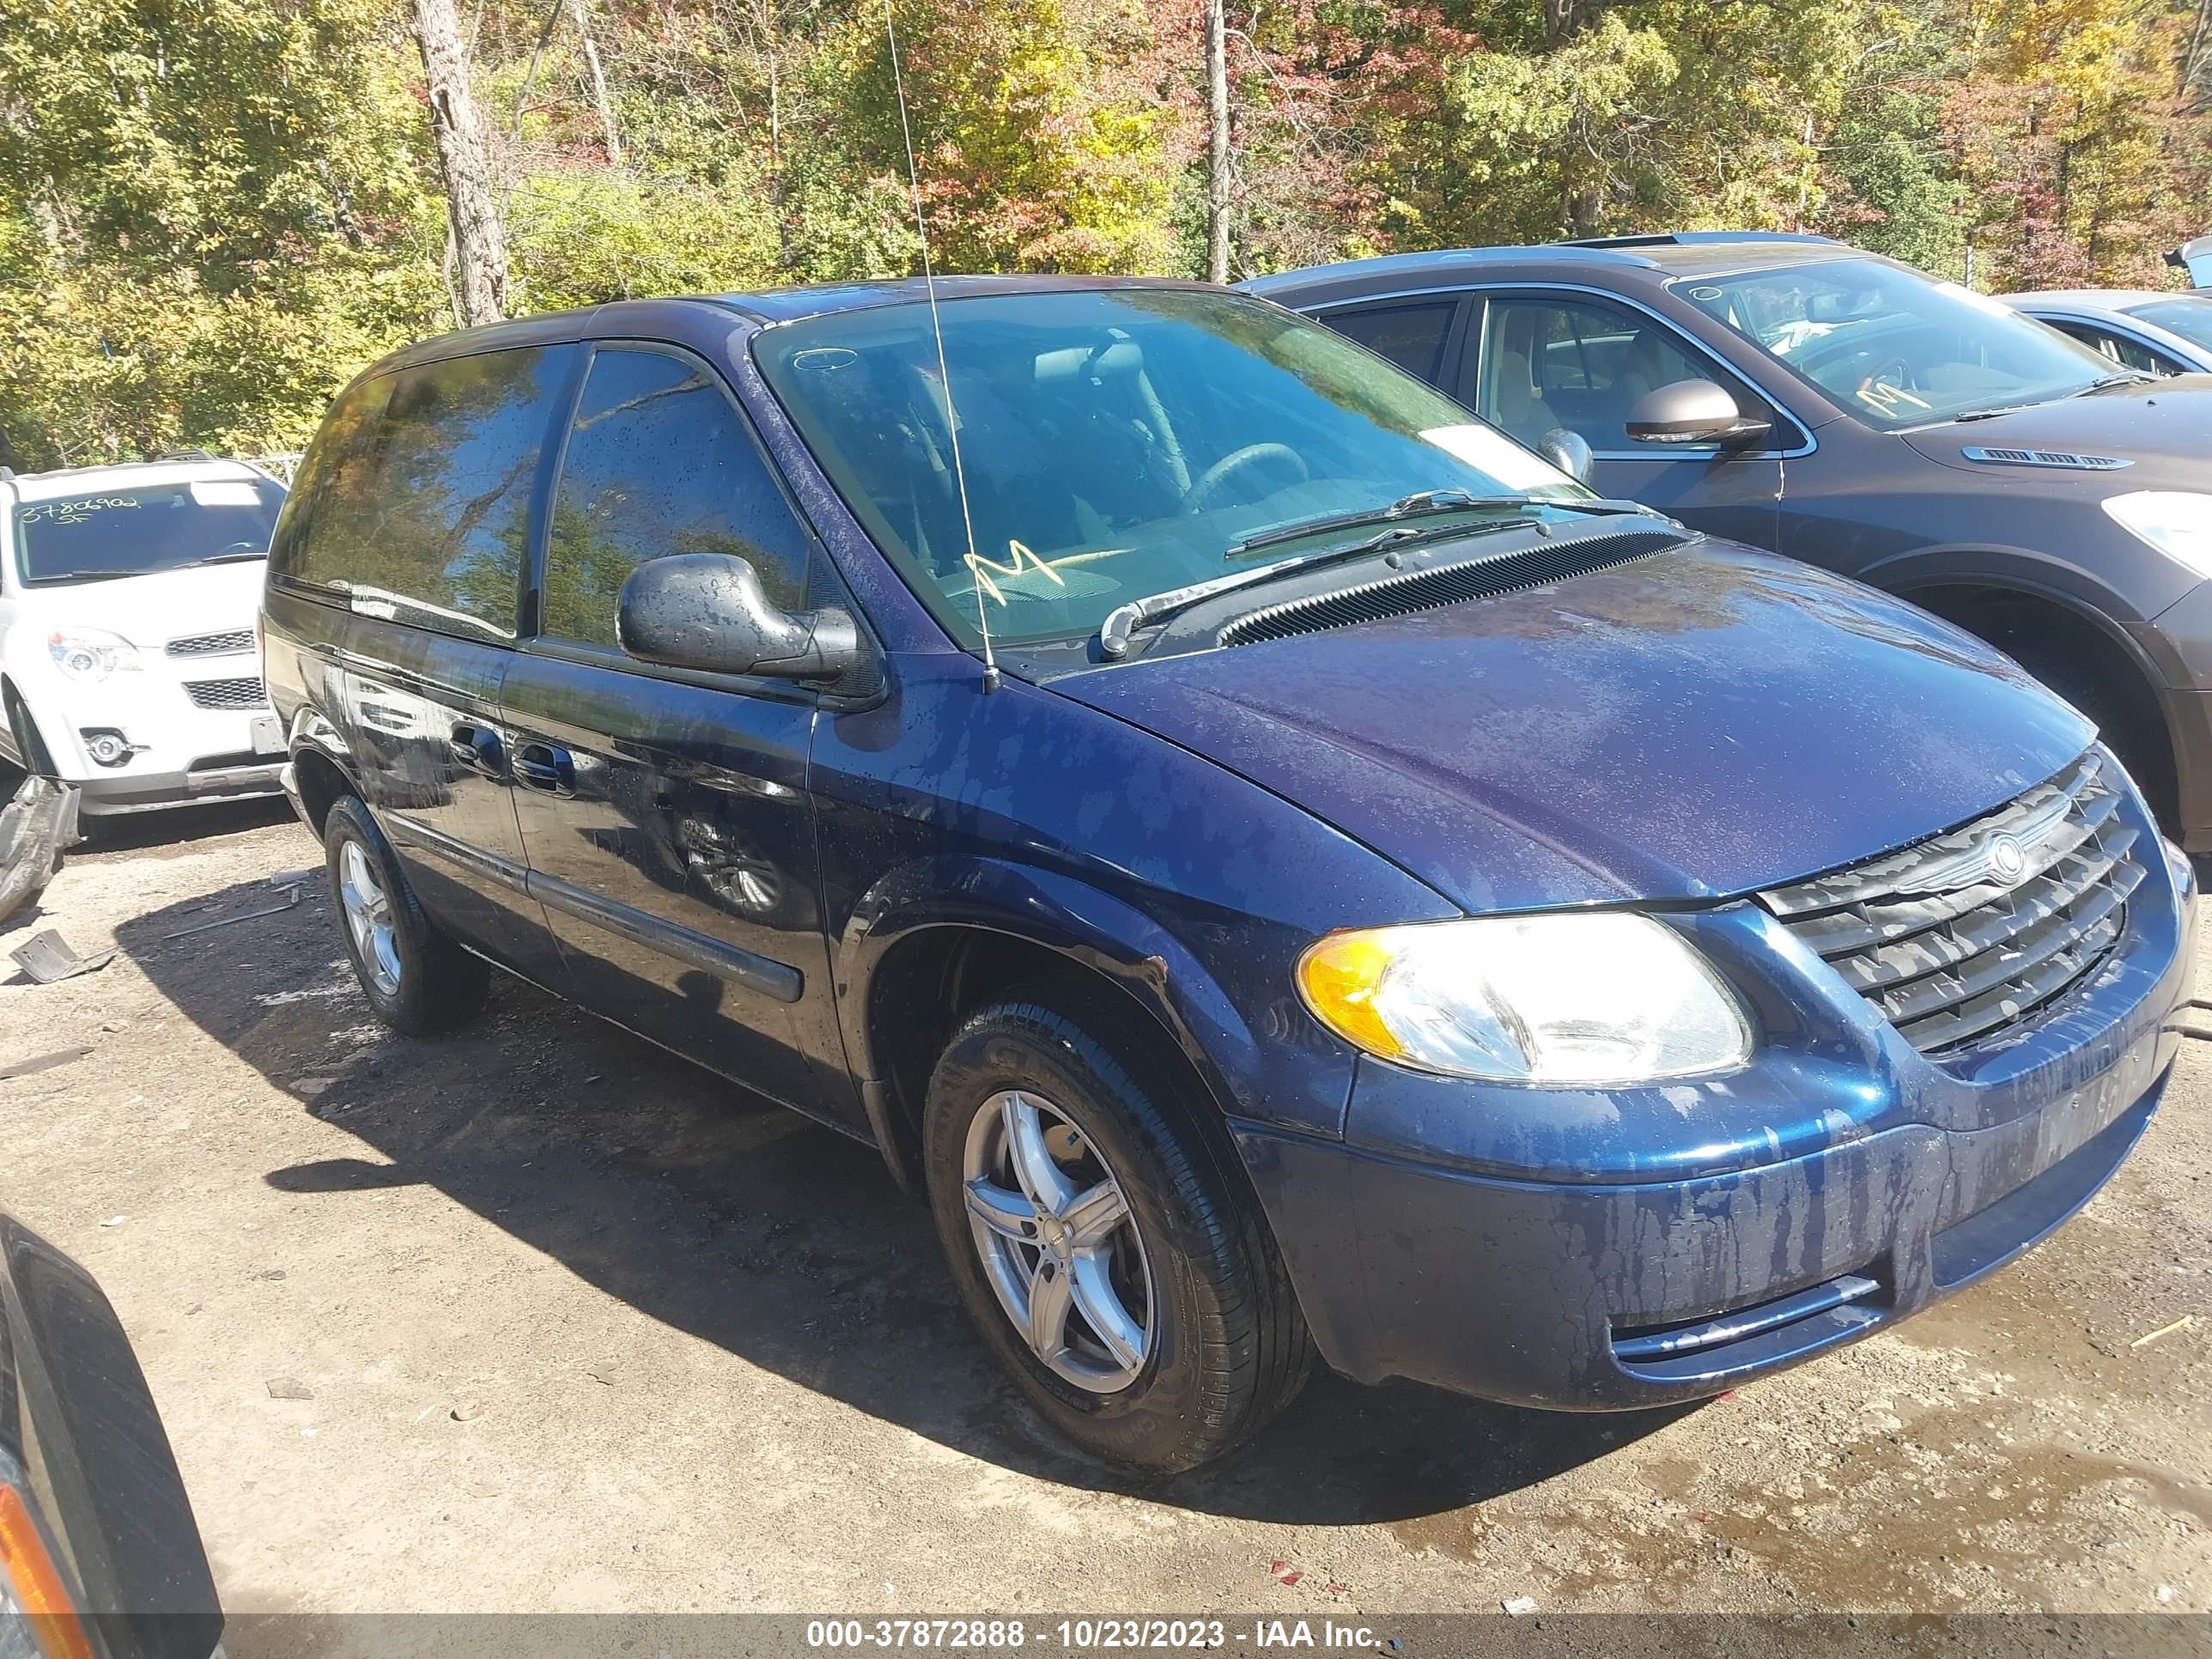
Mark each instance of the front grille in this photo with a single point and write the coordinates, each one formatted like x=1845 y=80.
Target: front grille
x=1959 y=939
x=227 y=694
x=236 y=642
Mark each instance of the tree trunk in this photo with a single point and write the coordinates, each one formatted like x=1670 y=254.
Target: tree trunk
x=598 y=82
x=1217 y=156
x=479 y=240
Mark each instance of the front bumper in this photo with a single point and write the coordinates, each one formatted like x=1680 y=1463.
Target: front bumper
x=1587 y=1251
x=154 y=792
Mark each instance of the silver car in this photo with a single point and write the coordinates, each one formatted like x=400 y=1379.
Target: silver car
x=2160 y=332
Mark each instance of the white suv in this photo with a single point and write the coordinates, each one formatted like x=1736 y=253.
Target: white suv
x=127 y=602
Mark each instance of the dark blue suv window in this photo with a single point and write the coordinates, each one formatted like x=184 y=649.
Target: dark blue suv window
x=658 y=461
x=418 y=507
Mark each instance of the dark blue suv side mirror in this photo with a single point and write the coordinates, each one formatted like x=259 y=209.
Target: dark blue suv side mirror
x=707 y=611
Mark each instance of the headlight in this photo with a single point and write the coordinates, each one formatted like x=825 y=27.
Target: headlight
x=1586 y=998
x=87 y=654
x=2176 y=522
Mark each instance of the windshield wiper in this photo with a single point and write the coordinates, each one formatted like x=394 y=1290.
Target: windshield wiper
x=85 y=576
x=1419 y=504
x=218 y=558
x=2125 y=377
x=1123 y=620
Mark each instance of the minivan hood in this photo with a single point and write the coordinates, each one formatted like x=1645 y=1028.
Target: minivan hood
x=2163 y=427
x=1704 y=722
x=152 y=610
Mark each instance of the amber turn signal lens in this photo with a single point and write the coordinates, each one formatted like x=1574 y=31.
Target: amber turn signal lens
x=1339 y=977
x=35 y=1584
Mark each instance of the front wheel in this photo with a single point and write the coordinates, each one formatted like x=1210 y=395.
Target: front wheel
x=1102 y=1239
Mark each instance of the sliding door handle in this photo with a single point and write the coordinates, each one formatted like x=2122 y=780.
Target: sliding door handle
x=477 y=748
x=545 y=767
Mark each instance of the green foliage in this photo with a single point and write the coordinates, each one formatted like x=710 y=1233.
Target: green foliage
x=213 y=214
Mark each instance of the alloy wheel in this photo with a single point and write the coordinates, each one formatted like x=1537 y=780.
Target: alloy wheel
x=1059 y=1242
x=368 y=917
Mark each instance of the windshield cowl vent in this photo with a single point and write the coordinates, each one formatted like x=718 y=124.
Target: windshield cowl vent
x=2065 y=459
x=1416 y=591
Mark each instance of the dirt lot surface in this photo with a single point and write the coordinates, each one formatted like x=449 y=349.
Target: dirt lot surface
x=577 y=1326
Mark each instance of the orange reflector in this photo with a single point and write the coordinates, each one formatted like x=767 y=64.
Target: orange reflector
x=36 y=1584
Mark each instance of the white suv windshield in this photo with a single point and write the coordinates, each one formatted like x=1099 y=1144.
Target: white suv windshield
x=1116 y=443
x=1893 y=347
x=137 y=531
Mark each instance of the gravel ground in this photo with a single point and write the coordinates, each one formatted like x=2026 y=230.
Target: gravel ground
x=576 y=1326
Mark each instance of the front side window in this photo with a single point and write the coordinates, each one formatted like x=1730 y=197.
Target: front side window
x=1116 y=443
x=1894 y=346
x=102 y=534
x=420 y=507
x=2127 y=353
x=1580 y=364
x=658 y=461
x=2185 y=314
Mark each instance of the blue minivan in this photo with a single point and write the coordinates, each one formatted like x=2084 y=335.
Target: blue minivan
x=1280 y=867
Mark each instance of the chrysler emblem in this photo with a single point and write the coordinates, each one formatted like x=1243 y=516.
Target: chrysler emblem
x=2007 y=862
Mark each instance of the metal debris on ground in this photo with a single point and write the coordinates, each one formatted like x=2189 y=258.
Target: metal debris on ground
x=41 y=1063
x=2187 y=1321
x=49 y=960
x=291 y=898
x=36 y=828
x=290 y=1387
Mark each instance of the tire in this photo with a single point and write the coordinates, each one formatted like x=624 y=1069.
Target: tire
x=419 y=982
x=1219 y=1346
x=38 y=763
x=2128 y=721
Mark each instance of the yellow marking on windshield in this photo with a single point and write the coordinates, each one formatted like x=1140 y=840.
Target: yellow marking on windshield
x=1021 y=558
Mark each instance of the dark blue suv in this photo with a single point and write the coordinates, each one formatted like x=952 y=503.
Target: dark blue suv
x=1281 y=867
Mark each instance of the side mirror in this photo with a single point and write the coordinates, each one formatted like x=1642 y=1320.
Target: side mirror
x=1569 y=452
x=707 y=611
x=1691 y=412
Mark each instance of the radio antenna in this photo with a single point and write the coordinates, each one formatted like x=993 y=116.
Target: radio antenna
x=944 y=370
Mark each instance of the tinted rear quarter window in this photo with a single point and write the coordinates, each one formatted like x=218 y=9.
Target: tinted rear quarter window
x=417 y=499
x=1412 y=336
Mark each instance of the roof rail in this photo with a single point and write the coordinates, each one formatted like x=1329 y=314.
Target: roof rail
x=1693 y=237
x=184 y=455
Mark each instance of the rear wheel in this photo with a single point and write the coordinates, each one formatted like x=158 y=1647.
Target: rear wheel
x=416 y=979
x=1104 y=1240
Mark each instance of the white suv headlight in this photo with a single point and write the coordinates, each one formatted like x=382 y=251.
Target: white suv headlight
x=89 y=654
x=1585 y=998
x=2176 y=522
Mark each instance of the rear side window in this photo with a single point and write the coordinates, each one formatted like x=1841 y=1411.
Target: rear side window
x=658 y=461
x=417 y=499
x=1412 y=336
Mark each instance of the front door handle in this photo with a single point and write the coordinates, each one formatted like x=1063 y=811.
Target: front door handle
x=477 y=748
x=546 y=767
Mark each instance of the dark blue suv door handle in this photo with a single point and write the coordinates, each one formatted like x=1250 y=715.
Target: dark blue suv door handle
x=476 y=748
x=543 y=767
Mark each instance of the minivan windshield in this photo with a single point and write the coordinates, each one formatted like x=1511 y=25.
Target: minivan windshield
x=2189 y=315
x=137 y=531
x=1896 y=348
x=1117 y=442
